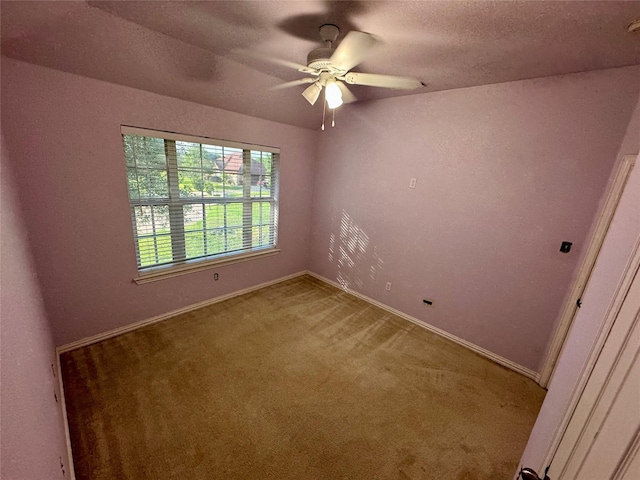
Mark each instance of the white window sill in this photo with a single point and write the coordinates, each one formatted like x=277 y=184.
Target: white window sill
x=169 y=271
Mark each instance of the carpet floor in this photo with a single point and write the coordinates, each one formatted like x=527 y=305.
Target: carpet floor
x=298 y=380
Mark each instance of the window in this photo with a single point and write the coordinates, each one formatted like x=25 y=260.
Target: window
x=196 y=200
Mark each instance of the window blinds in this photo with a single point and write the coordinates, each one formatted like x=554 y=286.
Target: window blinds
x=197 y=198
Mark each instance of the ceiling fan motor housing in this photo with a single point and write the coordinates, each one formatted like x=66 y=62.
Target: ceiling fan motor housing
x=319 y=58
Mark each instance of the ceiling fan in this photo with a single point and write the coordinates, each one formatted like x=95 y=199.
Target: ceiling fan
x=329 y=68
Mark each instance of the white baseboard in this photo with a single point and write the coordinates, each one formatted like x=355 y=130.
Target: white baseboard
x=134 y=326
x=485 y=353
x=83 y=342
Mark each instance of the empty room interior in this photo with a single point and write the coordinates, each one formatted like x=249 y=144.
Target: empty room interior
x=319 y=240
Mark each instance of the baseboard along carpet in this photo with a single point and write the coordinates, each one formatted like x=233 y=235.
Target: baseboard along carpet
x=298 y=380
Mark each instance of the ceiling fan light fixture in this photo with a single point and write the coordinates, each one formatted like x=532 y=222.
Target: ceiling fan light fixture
x=312 y=92
x=333 y=94
x=329 y=68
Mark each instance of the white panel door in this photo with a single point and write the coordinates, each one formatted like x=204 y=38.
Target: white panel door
x=603 y=436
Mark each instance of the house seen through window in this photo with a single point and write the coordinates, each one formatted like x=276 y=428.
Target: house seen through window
x=195 y=198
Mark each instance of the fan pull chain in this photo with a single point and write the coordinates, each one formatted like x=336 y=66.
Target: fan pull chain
x=324 y=108
x=333 y=120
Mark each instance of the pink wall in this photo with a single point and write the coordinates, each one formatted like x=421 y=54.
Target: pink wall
x=505 y=173
x=623 y=235
x=629 y=146
x=63 y=137
x=32 y=434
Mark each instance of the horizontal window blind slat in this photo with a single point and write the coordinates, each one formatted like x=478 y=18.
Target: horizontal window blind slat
x=203 y=257
x=195 y=201
x=144 y=132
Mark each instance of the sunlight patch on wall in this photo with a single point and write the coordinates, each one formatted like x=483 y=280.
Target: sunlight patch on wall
x=353 y=254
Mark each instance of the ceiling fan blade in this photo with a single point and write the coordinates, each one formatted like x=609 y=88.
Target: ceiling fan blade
x=277 y=61
x=294 y=83
x=353 y=49
x=312 y=92
x=347 y=96
x=384 y=81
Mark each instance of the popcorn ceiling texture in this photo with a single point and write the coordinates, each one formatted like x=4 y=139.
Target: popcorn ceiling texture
x=186 y=50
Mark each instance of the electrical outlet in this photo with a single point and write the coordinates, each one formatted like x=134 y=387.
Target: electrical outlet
x=215 y=276
x=412 y=183
x=388 y=287
x=565 y=247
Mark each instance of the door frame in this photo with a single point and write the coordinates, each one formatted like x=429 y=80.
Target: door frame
x=570 y=307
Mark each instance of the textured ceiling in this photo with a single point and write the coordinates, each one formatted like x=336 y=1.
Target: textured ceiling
x=189 y=49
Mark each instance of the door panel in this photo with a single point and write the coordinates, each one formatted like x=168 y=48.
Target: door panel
x=607 y=418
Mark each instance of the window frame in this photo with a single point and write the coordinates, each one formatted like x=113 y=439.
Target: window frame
x=175 y=204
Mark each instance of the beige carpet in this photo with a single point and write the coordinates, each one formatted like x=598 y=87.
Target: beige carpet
x=294 y=381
